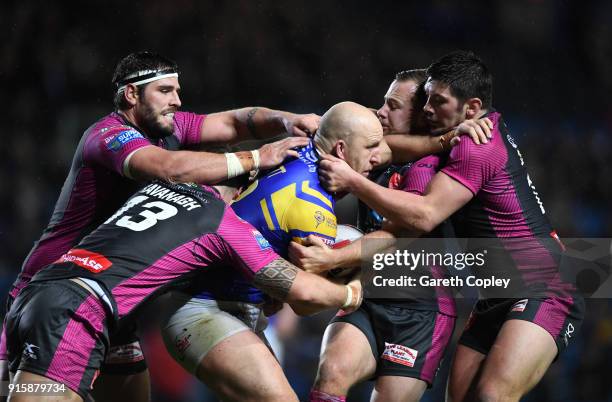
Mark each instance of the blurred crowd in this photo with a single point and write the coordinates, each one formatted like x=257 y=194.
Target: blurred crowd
x=551 y=61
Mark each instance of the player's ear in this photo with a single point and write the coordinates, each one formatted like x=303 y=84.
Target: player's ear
x=339 y=149
x=131 y=94
x=472 y=108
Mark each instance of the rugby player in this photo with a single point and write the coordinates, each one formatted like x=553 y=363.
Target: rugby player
x=511 y=337
x=140 y=140
x=224 y=323
x=407 y=135
x=58 y=326
x=363 y=345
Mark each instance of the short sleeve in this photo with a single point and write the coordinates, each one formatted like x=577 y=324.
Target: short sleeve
x=417 y=177
x=188 y=127
x=245 y=246
x=473 y=165
x=109 y=147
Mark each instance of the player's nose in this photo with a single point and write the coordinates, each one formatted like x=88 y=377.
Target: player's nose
x=382 y=112
x=375 y=157
x=428 y=109
x=176 y=100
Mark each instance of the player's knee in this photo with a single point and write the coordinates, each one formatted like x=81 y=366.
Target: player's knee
x=273 y=394
x=493 y=391
x=335 y=373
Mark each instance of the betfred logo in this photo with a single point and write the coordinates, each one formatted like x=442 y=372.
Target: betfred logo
x=400 y=354
x=89 y=260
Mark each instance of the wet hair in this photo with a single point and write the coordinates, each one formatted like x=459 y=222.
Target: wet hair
x=128 y=69
x=417 y=75
x=465 y=74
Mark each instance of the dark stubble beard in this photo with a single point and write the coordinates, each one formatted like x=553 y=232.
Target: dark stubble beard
x=151 y=126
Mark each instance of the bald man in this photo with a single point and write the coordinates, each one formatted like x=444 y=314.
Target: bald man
x=217 y=335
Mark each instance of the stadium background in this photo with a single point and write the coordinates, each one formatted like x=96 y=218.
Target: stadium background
x=551 y=61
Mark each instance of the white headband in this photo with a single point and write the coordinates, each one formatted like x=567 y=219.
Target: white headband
x=146 y=80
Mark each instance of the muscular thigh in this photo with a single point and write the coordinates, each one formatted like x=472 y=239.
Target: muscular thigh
x=346 y=353
x=223 y=345
x=242 y=368
x=398 y=389
x=520 y=339
x=464 y=373
x=520 y=356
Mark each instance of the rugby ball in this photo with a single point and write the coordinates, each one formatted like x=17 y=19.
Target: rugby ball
x=345 y=235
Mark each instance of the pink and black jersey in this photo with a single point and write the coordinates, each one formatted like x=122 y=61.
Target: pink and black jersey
x=415 y=180
x=162 y=237
x=506 y=211
x=96 y=185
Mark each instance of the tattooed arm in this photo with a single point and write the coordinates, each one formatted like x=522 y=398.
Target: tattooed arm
x=250 y=123
x=306 y=293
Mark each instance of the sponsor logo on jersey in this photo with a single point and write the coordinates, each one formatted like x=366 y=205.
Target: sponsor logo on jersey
x=520 y=306
x=329 y=242
x=116 y=142
x=261 y=241
x=319 y=217
x=400 y=354
x=89 y=260
x=309 y=157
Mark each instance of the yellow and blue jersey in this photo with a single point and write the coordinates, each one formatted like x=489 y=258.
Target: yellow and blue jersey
x=289 y=203
x=286 y=204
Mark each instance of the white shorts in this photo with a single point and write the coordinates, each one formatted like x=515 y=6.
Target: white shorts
x=196 y=327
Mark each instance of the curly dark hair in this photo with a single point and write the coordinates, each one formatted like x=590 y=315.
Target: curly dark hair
x=133 y=63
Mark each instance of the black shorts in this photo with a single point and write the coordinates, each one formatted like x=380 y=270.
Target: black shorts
x=58 y=330
x=561 y=317
x=405 y=342
x=124 y=356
